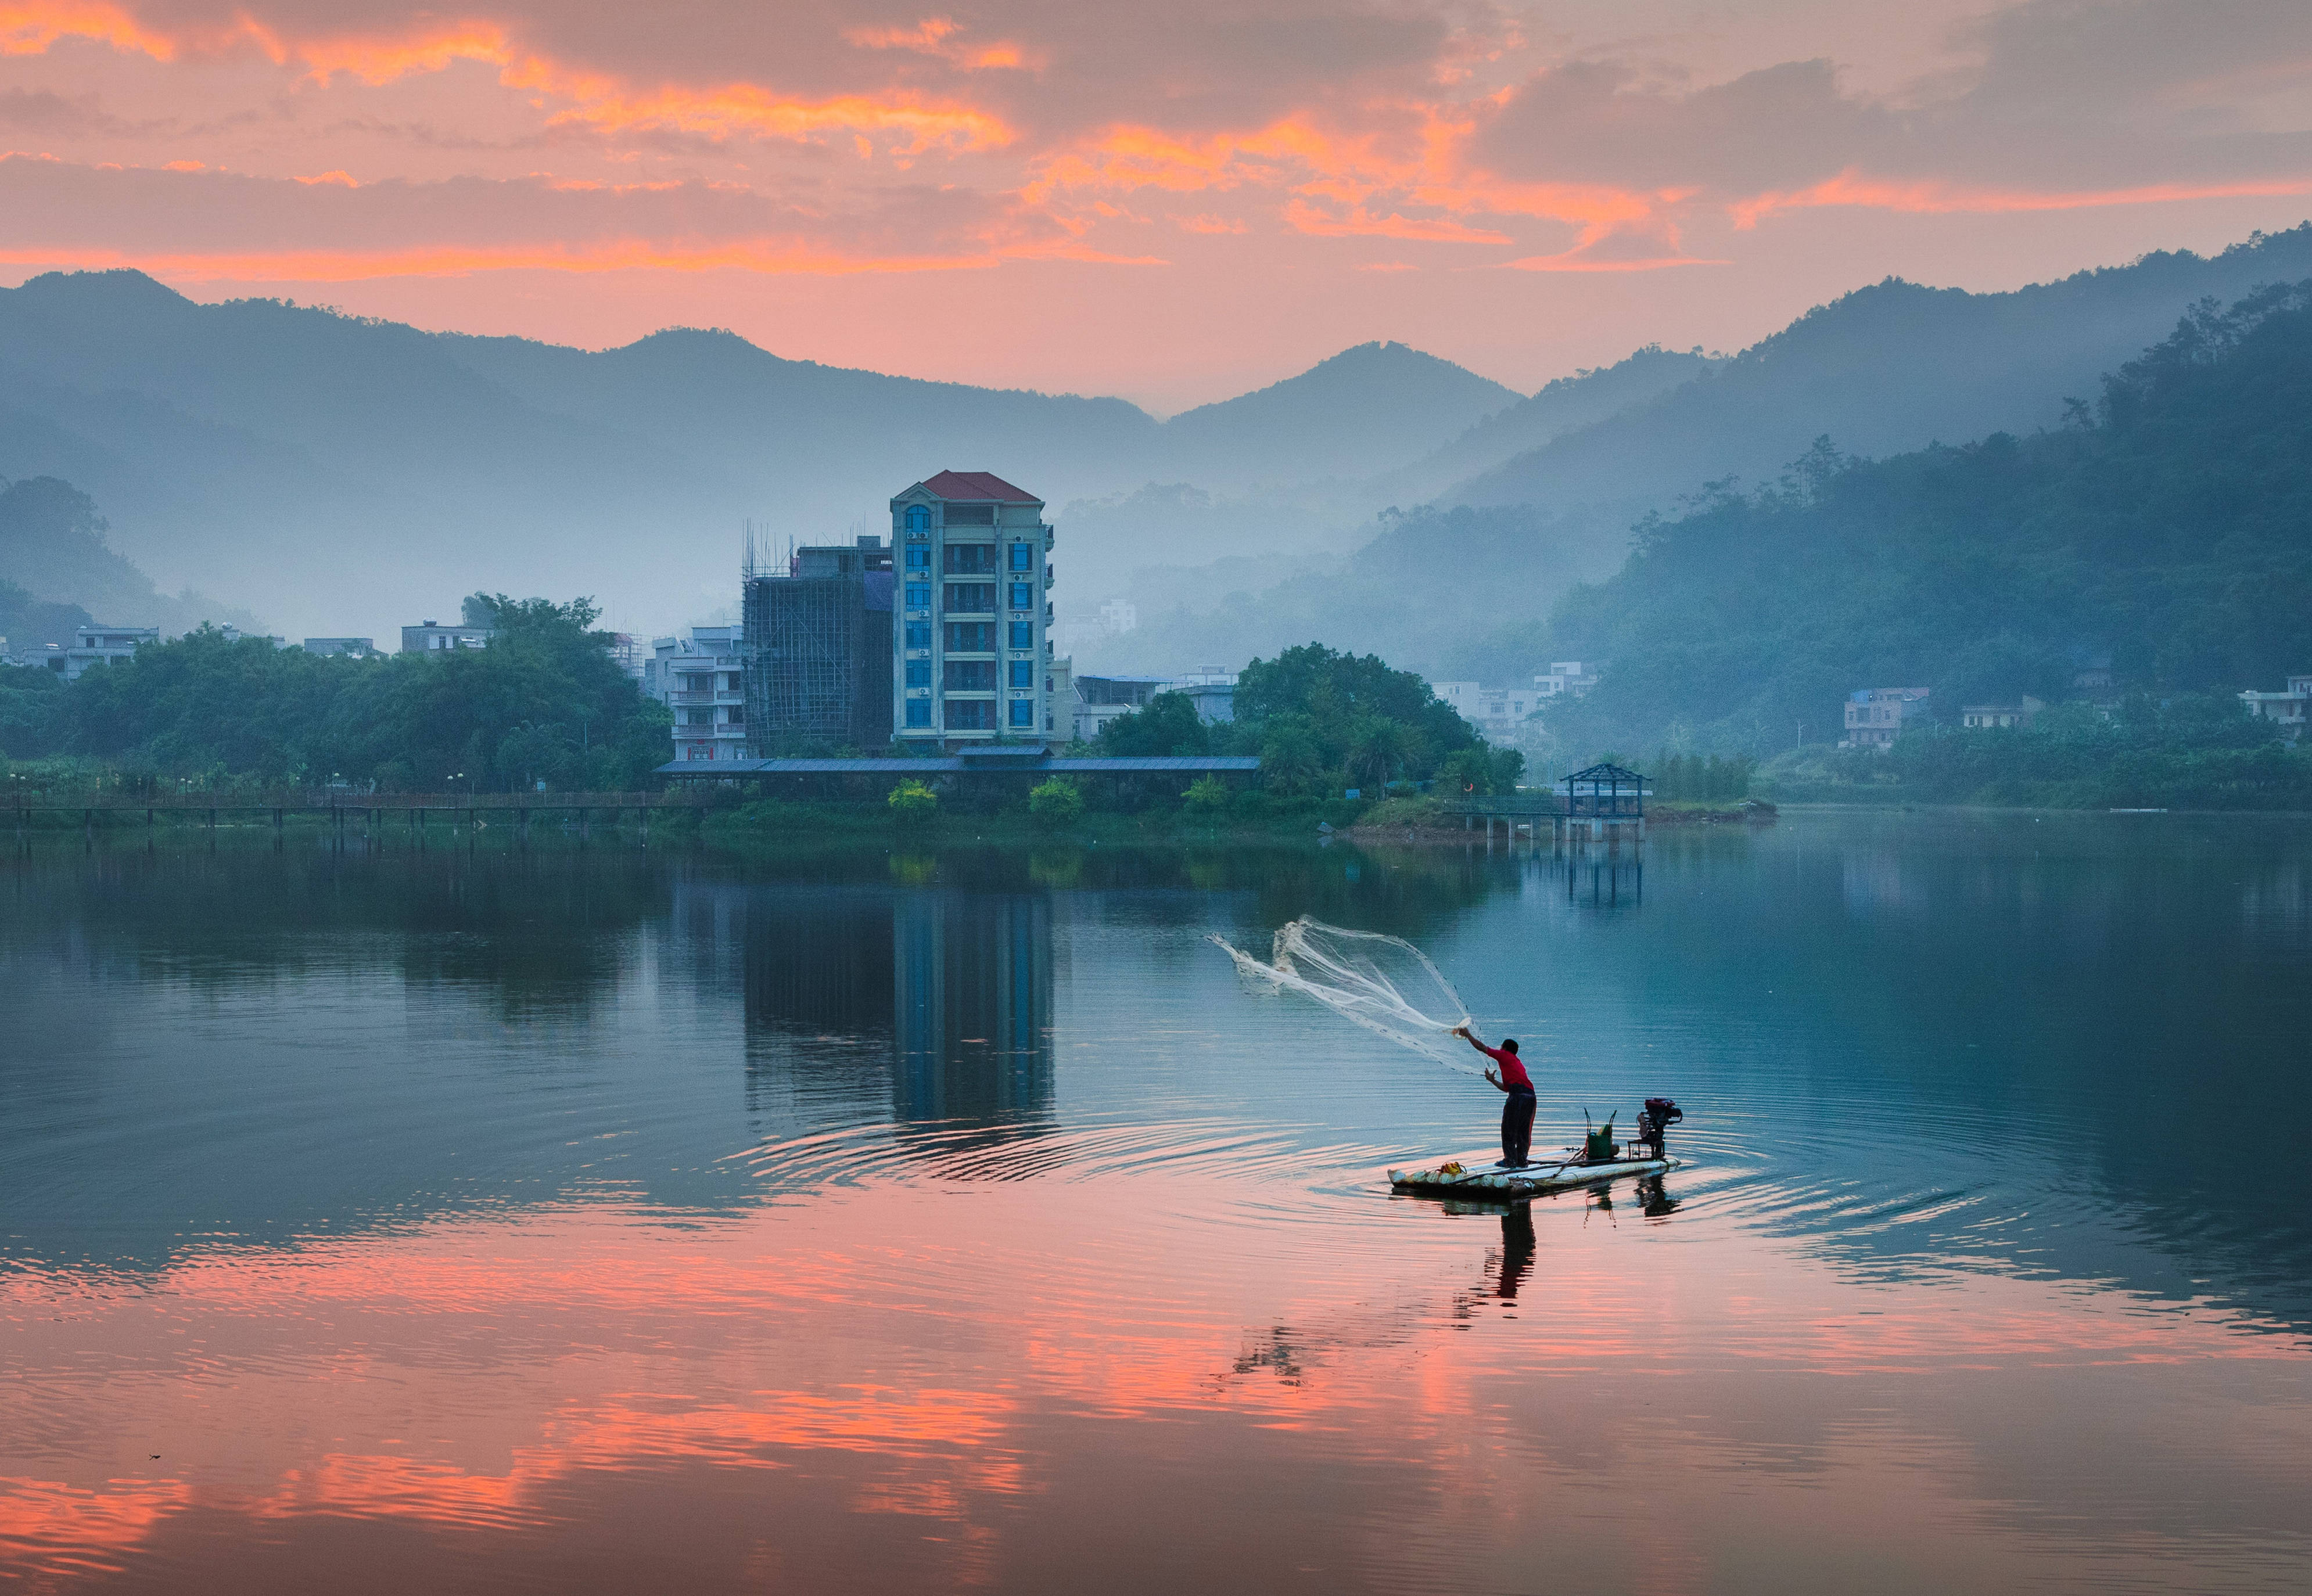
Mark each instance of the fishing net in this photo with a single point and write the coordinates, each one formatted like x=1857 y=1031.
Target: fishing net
x=1383 y=983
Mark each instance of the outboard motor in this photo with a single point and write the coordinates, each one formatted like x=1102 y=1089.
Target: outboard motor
x=1654 y=1119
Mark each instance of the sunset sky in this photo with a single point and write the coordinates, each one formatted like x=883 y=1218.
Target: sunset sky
x=1169 y=202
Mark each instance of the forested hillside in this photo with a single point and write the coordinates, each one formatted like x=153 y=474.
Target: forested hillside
x=1888 y=368
x=2170 y=525
x=58 y=572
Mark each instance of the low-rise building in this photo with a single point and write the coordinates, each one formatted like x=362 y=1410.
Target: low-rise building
x=1576 y=676
x=1498 y=713
x=701 y=675
x=2288 y=708
x=357 y=648
x=1098 y=700
x=1876 y=716
x=92 y=646
x=627 y=653
x=2010 y=715
x=431 y=637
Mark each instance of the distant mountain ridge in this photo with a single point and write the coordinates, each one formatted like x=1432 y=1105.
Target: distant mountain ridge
x=1885 y=369
x=341 y=473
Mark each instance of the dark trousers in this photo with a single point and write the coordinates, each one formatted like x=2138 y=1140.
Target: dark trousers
x=1516 y=1125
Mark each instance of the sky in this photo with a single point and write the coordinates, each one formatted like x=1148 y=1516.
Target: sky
x=1172 y=203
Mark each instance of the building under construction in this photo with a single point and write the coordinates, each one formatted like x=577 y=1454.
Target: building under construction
x=819 y=647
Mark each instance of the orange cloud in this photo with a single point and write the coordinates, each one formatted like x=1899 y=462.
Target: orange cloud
x=1359 y=223
x=1932 y=196
x=933 y=37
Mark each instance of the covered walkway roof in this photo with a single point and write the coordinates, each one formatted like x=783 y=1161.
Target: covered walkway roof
x=722 y=770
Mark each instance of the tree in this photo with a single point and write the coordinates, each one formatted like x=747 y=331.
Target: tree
x=1341 y=703
x=1165 y=727
x=1207 y=798
x=1056 y=804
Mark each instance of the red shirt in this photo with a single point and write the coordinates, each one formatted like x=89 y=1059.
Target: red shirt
x=1512 y=1072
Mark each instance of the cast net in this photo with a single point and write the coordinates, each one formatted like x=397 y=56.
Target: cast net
x=1383 y=983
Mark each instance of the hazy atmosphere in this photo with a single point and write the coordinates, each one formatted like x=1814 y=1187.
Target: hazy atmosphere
x=788 y=786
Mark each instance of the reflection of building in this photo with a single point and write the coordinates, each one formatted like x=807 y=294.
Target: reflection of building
x=1876 y=716
x=973 y=1027
x=942 y=999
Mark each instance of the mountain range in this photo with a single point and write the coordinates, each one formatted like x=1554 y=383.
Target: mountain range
x=342 y=474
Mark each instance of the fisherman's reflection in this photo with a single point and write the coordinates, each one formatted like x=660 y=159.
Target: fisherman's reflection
x=1517 y=1249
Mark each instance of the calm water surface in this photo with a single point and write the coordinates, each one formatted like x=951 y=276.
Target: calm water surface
x=482 y=1218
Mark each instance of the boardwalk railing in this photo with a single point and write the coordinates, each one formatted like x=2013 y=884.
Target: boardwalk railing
x=341 y=804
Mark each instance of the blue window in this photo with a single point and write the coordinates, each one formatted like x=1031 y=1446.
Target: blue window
x=919 y=520
x=1023 y=595
x=1023 y=673
x=919 y=673
x=919 y=634
x=1023 y=635
x=1023 y=557
x=919 y=596
x=919 y=559
x=919 y=712
x=1024 y=711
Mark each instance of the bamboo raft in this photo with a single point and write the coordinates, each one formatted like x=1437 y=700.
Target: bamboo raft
x=1452 y=1179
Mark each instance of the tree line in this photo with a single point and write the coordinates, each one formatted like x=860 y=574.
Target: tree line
x=544 y=701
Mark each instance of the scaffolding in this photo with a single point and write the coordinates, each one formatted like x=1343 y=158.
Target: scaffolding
x=818 y=659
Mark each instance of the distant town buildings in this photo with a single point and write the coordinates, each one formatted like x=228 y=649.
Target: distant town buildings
x=357 y=648
x=968 y=639
x=2016 y=715
x=1876 y=716
x=701 y=677
x=92 y=646
x=431 y=637
x=1096 y=700
x=2286 y=708
x=1497 y=713
x=1568 y=676
x=818 y=644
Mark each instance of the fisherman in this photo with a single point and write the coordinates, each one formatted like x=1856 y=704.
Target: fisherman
x=1516 y=1113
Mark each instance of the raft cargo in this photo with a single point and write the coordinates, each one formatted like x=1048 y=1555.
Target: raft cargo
x=1452 y=1179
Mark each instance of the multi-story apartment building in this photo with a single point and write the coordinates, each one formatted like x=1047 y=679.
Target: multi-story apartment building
x=968 y=642
x=819 y=647
x=702 y=677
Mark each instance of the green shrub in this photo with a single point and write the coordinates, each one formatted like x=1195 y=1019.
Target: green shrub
x=911 y=800
x=1056 y=804
x=1207 y=798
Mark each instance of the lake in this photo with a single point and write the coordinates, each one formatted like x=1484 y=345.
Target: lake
x=460 y=1215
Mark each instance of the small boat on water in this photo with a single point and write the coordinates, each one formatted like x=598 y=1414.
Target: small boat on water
x=1601 y=1158
x=1452 y=1180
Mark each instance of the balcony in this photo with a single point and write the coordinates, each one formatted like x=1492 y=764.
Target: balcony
x=698 y=698
x=729 y=728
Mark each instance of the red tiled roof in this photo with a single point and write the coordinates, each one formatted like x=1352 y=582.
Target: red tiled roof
x=979 y=484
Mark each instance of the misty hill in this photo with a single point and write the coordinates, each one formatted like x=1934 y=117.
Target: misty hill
x=1563 y=405
x=1892 y=367
x=1888 y=368
x=1429 y=588
x=2173 y=530
x=344 y=474
x=1378 y=402
x=57 y=572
